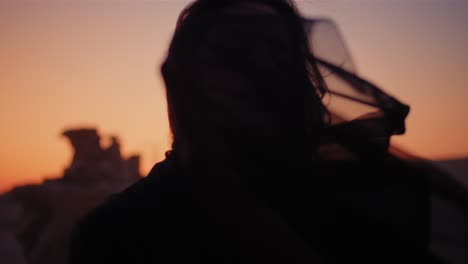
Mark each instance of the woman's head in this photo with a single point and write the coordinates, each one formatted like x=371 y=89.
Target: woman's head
x=240 y=78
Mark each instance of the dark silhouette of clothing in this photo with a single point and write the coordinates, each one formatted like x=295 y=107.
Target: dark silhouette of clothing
x=345 y=212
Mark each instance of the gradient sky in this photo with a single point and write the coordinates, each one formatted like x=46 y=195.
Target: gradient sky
x=96 y=63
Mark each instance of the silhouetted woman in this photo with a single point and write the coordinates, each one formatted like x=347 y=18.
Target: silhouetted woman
x=244 y=181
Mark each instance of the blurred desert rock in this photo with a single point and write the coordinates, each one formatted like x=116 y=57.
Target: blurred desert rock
x=36 y=220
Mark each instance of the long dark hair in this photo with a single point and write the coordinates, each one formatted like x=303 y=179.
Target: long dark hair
x=242 y=84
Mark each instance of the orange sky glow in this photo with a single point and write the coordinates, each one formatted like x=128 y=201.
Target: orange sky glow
x=67 y=64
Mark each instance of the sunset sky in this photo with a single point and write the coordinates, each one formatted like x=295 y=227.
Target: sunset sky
x=66 y=64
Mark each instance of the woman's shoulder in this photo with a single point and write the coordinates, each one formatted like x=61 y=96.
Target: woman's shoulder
x=140 y=196
x=144 y=210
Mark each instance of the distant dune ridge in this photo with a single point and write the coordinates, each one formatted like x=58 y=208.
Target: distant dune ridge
x=457 y=168
x=36 y=220
x=449 y=236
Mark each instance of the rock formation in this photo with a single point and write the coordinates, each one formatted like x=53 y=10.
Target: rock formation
x=36 y=220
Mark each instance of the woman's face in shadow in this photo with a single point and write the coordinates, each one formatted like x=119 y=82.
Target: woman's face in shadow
x=234 y=72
